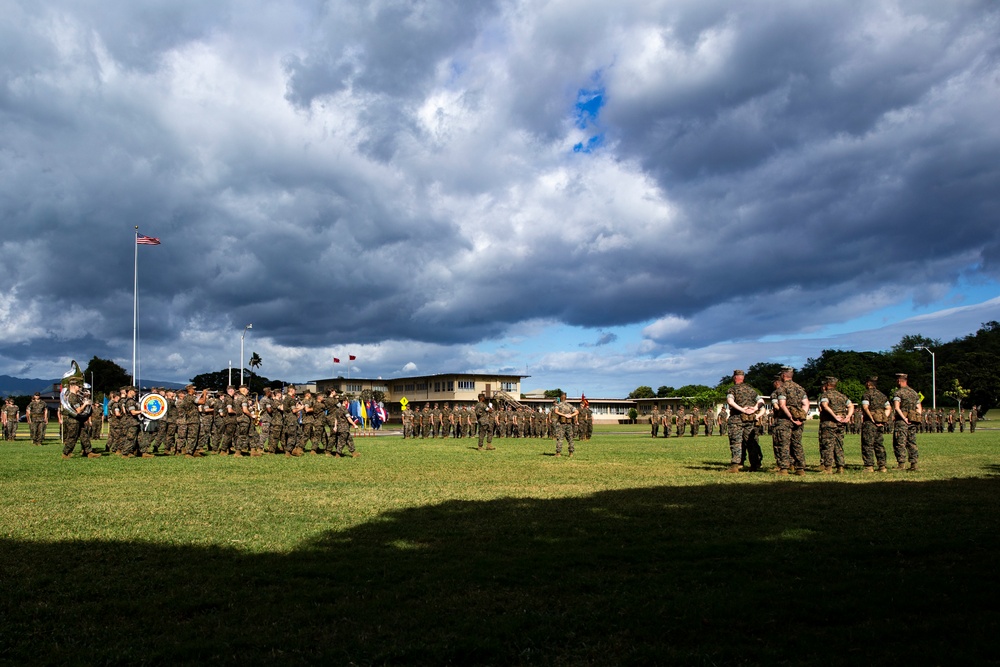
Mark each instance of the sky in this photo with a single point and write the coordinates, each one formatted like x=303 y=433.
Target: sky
x=598 y=195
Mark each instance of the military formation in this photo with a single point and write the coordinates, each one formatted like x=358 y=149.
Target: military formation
x=784 y=415
x=486 y=421
x=196 y=423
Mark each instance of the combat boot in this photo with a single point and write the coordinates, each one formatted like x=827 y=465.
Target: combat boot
x=734 y=468
x=913 y=467
x=826 y=470
x=840 y=470
x=800 y=472
x=869 y=469
x=93 y=455
x=883 y=469
x=781 y=471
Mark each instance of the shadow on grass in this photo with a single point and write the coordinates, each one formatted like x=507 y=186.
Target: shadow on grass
x=821 y=573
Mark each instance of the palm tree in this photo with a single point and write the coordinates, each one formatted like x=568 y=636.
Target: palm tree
x=255 y=361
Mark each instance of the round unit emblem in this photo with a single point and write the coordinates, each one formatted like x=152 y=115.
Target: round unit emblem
x=153 y=406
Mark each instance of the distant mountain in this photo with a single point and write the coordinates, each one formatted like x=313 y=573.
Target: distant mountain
x=12 y=386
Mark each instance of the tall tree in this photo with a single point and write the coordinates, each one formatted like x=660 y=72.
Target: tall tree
x=106 y=375
x=642 y=391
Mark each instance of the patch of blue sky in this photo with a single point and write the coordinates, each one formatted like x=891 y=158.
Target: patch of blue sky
x=588 y=107
x=587 y=110
x=964 y=293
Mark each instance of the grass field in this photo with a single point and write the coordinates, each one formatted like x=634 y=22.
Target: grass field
x=635 y=551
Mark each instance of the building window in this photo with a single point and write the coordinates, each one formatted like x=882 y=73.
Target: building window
x=450 y=385
x=354 y=387
x=466 y=385
x=397 y=387
x=437 y=387
x=410 y=387
x=507 y=386
x=421 y=386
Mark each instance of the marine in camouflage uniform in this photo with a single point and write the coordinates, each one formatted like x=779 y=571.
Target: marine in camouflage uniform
x=743 y=401
x=207 y=407
x=292 y=407
x=484 y=418
x=344 y=425
x=874 y=405
x=562 y=416
x=38 y=417
x=790 y=417
x=906 y=412
x=309 y=430
x=266 y=409
x=227 y=407
x=188 y=409
x=11 y=414
x=73 y=419
x=277 y=435
x=241 y=406
x=130 y=423
x=835 y=412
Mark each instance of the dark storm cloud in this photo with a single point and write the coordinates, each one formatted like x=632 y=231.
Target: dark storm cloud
x=374 y=172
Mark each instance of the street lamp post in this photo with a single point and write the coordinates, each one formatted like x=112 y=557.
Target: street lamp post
x=933 y=375
x=242 y=336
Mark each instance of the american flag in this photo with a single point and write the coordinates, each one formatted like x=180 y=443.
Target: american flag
x=146 y=240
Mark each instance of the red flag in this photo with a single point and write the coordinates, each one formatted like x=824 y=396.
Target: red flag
x=351 y=357
x=336 y=360
x=146 y=240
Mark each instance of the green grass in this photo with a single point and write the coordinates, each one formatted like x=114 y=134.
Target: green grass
x=427 y=552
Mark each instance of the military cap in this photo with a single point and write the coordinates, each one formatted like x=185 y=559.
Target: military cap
x=830 y=380
x=738 y=372
x=872 y=379
x=902 y=376
x=787 y=369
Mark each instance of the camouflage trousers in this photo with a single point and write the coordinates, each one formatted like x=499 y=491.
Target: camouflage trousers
x=345 y=439
x=228 y=434
x=831 y=444
x=291 y=434
x=37 y=431
x=73 y=432
x=788 y=452
x=904 y=442
x=872 y=449
x=485 y=431
x=743 y=444
x=563 y=431
x=242 y=435
x=275 y=435
x=205 y=424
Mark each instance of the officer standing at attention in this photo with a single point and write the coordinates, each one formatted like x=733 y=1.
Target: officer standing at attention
x=38 y=417
x=482 y=411
x=874 y=412
x=907 y=412
x=563 y=413
x=835 y=412
x=743 y=401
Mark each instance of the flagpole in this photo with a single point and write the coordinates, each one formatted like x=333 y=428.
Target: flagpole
x=135 y=298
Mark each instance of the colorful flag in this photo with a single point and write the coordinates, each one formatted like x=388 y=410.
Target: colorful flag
x=336 y=360
x=146 y=240
x=351 y=357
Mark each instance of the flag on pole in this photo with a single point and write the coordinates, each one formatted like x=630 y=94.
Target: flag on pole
x=351 y=357
x=336 y=360
x=146 y=240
